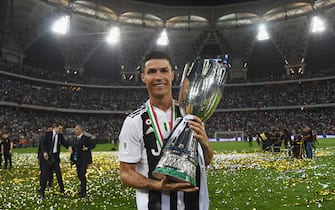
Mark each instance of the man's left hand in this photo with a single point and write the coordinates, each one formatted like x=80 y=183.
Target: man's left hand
x=85 y=148
x=198 y=127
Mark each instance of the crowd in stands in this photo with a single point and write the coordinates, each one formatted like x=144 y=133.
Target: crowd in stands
x=324 y=73
x=28 y=124
x=320 y=119
x=305 y=93
x=66 y=76
x=70 y=76
x=24 y=91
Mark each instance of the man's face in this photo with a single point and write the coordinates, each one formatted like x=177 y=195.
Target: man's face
x=306 y=129
x=77 y=131
x=59 y=129
x=4 y=135
x=158 y=76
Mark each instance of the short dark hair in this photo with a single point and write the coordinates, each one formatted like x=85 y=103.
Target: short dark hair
x=80 y=126
x=4 y=131
x=58 y=124
x=156 y=55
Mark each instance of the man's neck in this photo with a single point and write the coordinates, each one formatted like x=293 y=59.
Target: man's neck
x=162 y=103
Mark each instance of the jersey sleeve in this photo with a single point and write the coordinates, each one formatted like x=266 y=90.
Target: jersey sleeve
x=130 y=141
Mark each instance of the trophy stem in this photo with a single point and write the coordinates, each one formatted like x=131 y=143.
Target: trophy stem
x=179 y=159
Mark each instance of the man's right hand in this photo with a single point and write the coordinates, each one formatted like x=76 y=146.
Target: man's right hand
x=167 y=185
x=45 y=156
x=130 y=177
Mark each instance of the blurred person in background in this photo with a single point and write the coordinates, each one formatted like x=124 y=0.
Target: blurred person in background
x=40 y=156
x=286 y=138
x=49 y=153
x=307 y=138
x=249 y=137
x=81 y=156
x=7 y=149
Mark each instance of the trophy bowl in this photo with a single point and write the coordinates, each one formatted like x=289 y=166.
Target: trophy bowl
x=199 y=95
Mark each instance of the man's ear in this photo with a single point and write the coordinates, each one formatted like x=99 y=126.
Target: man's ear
x=142 y=77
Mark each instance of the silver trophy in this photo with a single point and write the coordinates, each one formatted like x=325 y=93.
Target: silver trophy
x=200 y=94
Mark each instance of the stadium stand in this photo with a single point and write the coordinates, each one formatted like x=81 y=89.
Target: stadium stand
x=286 y=81
x=29 y=105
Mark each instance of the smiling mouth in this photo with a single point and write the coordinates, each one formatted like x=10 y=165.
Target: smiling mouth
x=159 y=85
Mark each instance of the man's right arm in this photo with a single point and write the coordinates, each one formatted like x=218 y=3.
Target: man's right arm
x=130 y=177
x=130 y=149
x=43 y=147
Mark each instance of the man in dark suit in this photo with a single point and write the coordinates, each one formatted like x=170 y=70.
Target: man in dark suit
x=81 y=156
x=49 y=157
x=7 y=149
x=40 y=155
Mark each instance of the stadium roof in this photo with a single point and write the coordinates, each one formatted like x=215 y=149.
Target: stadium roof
x=198 y=3
x=193 y=30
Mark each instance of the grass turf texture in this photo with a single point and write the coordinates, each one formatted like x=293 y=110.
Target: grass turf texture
x=241 y=177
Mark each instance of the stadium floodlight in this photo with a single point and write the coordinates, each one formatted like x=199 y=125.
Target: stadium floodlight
x=262 y=33
x=61 y=26
x=113 y=36
x=163 y=39
x=317 y=24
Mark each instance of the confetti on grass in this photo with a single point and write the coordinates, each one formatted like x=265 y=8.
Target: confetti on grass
x=235 y=180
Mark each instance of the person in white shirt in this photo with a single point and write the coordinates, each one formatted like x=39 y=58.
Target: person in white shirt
x=139 y=147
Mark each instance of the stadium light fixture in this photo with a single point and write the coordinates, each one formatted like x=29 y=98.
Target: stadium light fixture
x=138 y=68
x=61 y=26
x=262 y=33
x=113 y=35
x=163 y=39
x=317 y=24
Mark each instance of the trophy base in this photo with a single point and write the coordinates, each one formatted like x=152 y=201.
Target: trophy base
x=178 y=166
x=174 y=175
